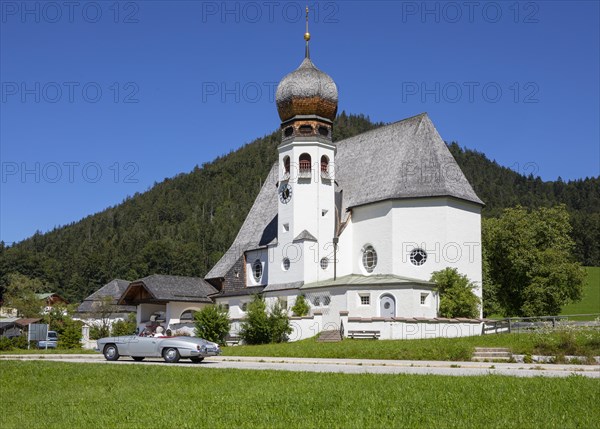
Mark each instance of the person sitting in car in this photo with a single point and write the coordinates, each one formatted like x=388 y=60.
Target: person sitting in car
x=159 y=332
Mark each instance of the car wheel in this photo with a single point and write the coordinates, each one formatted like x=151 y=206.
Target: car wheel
x=196 y=359
x=137 y=358
x=171 y=355
x=111 y=352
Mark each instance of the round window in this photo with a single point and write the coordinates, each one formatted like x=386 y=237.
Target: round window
x=286 y=264
x=369 y=258
x=418 y=257
x=324 y=263
x=386 y=305
x=257 y=269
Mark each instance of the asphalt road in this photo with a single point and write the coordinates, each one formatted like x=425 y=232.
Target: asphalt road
x=348 y=366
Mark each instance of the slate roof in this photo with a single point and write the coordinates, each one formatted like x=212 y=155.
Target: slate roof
x=373 y=280
x=114 y=289
x=283 y=286
x=251 y=290
x=259 y=228
x=174 y=288
x=405 y=159
x=305 y=236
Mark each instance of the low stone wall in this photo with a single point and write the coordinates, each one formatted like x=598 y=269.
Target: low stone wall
x=306 y=327
x=414 y=328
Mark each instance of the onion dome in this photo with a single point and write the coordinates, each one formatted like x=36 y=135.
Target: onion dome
x=307 y=90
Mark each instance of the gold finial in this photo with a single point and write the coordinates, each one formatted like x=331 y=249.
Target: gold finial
x=307 y=35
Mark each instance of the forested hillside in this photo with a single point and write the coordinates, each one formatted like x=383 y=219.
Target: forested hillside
x=183 y=225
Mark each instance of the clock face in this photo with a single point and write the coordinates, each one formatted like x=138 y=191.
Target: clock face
x=285 y=193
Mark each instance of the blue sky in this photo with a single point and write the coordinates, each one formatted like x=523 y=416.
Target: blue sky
x=99 y=100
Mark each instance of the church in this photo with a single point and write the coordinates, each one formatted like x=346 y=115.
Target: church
x=356 y=226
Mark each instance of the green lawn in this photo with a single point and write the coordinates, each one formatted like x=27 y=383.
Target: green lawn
x=455 y=349
x=70 y=395
x=590 y=303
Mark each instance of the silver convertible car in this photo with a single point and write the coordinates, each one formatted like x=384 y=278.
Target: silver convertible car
x=171 y=349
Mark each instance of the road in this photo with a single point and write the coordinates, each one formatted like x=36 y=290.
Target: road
x=347 y=366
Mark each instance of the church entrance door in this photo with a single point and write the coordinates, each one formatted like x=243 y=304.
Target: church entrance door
x=387 y=306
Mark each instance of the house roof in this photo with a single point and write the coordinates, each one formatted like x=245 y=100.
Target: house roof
x=373 y=280
x=26 y=321
x=406 y=159
x=159 y=287
x=114 y=289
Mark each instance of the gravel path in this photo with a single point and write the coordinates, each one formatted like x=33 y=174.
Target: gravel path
x=348 y=366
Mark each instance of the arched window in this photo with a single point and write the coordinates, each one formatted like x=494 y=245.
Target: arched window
x=286 y=164
x=187 y=316
x=304 y=163
x=324 y=164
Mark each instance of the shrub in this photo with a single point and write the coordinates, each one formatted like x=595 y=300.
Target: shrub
x=456 y=294
x=279 y=323
x=20 y=342
x=98 y=331
x=124 y=327
x=255 y=328
x=301 y=307
x=212 y=323
x=5 y=344
x=261 y=327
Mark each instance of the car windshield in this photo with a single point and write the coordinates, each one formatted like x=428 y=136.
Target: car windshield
x=52 y=335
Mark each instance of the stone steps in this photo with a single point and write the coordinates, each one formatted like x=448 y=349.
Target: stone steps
x=491 y=354
x=331 y=336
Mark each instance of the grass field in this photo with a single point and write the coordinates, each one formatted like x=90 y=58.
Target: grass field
x=585 y=343
x=590 y=303
x=59 y=395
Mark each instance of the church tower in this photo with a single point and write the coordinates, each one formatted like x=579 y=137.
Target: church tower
x=307 y=102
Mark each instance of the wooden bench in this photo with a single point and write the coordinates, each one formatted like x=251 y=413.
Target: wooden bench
x=368 y=335
x=232 y=340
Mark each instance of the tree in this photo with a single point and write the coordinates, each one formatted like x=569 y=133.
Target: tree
x=301 y=306
x=70 y=337
x=212 y=323
x=456 y=294
x=102 y=310
x=21 y=295
x=530 y=267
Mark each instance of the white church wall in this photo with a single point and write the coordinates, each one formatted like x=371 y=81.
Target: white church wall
x=344 y=253
x=407 y=301
x=372 y=226
x=447 y=229
x=295 y=253
x=235 y=304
